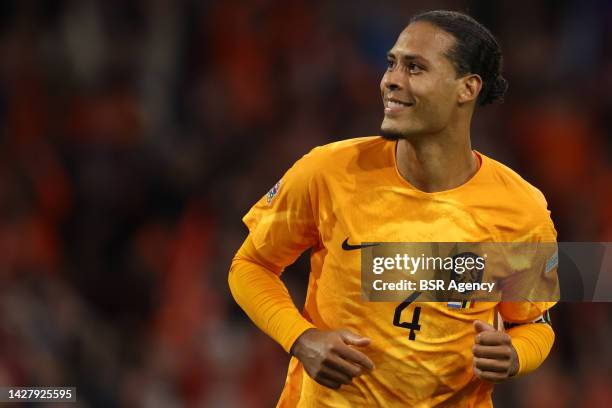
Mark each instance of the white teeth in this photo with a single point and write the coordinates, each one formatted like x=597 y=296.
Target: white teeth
x=393 y=104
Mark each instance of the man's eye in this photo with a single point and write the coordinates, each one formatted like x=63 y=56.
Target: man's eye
x=390 y=63
x=414 y=68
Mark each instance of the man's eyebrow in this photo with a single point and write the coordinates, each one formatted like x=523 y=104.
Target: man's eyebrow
x=407 y=57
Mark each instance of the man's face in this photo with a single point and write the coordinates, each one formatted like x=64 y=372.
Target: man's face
x=420 y=87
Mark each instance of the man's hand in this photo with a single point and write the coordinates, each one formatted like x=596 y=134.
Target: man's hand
x=495 y=358
x=329 y=358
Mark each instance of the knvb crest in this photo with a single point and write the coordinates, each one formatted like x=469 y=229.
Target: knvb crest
x=465 y=271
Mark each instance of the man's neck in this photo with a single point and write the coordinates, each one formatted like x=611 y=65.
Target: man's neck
x=436 y=163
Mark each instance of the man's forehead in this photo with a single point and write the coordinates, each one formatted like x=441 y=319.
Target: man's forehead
x=425 y=39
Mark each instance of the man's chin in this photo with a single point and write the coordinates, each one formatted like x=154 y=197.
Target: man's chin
x=392 y=134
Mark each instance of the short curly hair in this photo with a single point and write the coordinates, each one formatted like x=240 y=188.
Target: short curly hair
x=476 y=51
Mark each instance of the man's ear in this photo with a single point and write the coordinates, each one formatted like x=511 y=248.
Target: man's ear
x=469 y=88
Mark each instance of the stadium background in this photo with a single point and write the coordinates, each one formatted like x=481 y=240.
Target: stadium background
x=135 y=134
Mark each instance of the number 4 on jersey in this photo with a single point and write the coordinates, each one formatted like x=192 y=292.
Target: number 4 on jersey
x=414 y=325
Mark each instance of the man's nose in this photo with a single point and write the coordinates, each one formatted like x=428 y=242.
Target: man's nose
x=392 y=80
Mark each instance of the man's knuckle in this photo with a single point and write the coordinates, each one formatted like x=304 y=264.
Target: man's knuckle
x=327 y=358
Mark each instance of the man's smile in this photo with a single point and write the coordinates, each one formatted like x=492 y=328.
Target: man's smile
x=394 y=105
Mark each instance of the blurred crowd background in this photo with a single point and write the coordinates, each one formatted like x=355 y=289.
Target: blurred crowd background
x=134 y=135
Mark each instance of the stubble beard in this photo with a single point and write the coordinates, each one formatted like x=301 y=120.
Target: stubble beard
x=392 y=134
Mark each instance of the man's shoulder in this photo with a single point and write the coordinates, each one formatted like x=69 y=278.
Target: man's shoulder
x=512 y=183
x=333 y=155
x=521 y=202
x=348 y=147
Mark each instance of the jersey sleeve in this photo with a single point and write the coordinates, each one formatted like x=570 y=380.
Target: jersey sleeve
x=264 y=297
x=282 y=223
x=538 y=283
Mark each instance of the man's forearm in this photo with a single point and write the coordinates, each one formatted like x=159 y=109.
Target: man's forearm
x=532 y=342
x=264 y=297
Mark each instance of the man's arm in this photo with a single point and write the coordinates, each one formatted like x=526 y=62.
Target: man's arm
x=532 y=342
x=283 y=224
x=529 y=336
x=519 y=350
x=326 y=355
x=258 y=289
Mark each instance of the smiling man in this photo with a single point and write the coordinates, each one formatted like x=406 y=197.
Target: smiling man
x=419 y=181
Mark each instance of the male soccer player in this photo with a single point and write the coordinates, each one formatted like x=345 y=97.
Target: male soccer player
x=420 y=181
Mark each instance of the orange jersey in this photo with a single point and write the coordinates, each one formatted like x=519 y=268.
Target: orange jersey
x=352 y=190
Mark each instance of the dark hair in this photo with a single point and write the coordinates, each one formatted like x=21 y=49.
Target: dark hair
x=476 y=51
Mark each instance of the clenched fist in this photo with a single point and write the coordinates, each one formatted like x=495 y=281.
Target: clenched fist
x=328 y=357
x=495 y=358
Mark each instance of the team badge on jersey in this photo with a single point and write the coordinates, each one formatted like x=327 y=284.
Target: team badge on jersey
x=466 y=274
x=272 y=193
x=462 y=273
